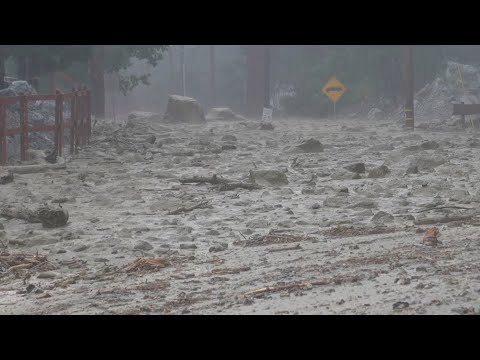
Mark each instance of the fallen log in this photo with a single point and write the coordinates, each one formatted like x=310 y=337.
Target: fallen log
x=32 y=169
x=49 y=217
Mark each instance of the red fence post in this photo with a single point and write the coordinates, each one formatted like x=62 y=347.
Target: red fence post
x=24 y=126
x=59 y=126
x=3 y=136
x=72 y=122
x=77 y=127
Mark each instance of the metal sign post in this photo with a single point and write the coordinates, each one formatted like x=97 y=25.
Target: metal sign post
x=334 y=89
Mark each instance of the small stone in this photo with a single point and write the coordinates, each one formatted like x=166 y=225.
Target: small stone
x=358 y=168
x=219 y=247
x=310 y=146
x=188 y=246
x=382 y=217
x=143 y=245
x=5 y=177
x=430 y=145
x=379 y=172
x=151 y=139
x=316 y=206
x=148 y=156
x=48 y=275
x=229 y=147
x=413 y=169
x=229 y=138
x=400 y=305
x=213 y=232
x=79 y=248
x=61 y=251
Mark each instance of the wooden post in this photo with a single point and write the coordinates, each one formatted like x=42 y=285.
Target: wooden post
x=73 y=122
x=77 y=120
x=89 y=116
x=59 y=122
x=3 y=137
x=24 y=126
x=84 y=116
x=409 y=102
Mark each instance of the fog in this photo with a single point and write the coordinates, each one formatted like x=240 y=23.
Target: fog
x=262 y=179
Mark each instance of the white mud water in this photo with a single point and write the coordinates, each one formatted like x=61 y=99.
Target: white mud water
x=119 y=203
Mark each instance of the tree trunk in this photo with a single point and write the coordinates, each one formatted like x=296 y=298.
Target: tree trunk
x=98 y=81
x=172 y=87
x=212 y=76
x=267 y=77
x=256 y=79
x=3 y=85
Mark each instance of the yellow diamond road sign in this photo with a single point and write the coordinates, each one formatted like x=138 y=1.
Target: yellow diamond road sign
x=334 y=89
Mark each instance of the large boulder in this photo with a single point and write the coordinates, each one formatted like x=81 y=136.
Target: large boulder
x=225 y=114
x=184 y=109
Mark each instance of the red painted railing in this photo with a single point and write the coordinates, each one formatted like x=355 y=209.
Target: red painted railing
x=79 y=124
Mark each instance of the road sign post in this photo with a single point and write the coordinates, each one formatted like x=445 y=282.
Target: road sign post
x=334 y=90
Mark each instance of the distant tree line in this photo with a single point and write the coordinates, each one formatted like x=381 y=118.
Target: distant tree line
x=35 y=61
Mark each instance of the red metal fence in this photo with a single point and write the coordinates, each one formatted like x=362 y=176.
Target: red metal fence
x=79 y=124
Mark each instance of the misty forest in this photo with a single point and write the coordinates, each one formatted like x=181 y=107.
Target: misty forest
x=239 y=179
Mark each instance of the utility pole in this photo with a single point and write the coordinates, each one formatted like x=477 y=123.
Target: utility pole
x=409 y=88
x=172 y=87
x=212 y=76
x=267 y=77
x=182 y=63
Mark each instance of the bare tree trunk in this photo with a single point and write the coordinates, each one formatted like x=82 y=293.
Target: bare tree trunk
x=267 y=77
x=409 y=87
x=172 y=87
x=212 y=76
x=3 y=84
x=256 y=79
x=98 y=80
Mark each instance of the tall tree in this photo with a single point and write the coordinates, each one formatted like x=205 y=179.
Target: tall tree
x=213 y=90
x=256 y=79
x=97 y=72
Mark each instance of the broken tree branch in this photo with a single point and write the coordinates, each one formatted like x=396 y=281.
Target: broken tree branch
x=201 y=205
x=49 y=217
x=200 y=179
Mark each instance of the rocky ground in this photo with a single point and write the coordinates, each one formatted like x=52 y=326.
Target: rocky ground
x=327 y=227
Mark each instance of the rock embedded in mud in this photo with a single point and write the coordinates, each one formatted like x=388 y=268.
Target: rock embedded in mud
x=429 y=145
x=229 y=138
x=310 y=146
x=151 y=139
x=223 y=114
x=81 y=247
x=412 y=169
x=379 y=172
x=229 y=147
x=143 y=245
x=218 y=247
x=6 y=177
x=184 y=110
x=268 y=177
x=266 y=126
x=382 y=217
x=358 y=168
x=188 y=246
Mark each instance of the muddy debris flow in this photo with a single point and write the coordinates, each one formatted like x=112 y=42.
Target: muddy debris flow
x=214 y=216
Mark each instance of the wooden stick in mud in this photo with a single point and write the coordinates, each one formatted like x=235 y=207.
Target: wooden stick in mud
x=203 y=204
x=200 y=179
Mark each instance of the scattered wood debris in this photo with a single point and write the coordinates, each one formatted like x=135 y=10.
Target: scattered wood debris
x=350 y=231
x=273 y=239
